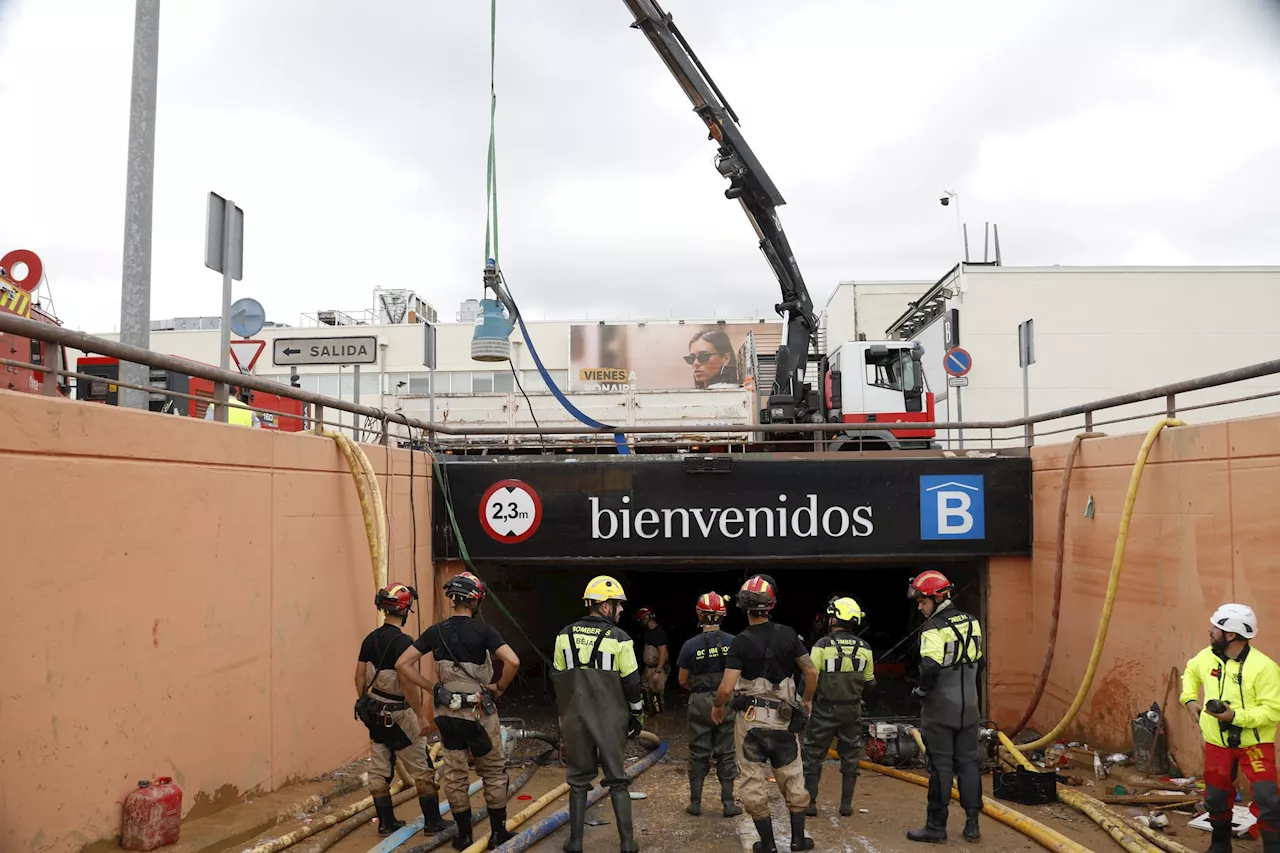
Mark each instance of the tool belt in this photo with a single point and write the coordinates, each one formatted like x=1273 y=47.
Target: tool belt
x=799 y=717
x=446 y=698
x=378 y=718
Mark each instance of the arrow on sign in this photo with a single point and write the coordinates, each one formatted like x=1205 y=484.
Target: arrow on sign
x=291 y=351
x=245 y=354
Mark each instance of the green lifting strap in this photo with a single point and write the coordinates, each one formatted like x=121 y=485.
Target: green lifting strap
x=491 y=180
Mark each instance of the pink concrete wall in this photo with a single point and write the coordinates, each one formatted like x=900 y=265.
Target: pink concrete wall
x=1205 y=531
x=181 y=598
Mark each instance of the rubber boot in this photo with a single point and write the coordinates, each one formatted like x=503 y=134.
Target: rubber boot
x=432 y=820
x=934 y=830
x=971 y=830
x=766 y=844
x=1270 y=841
x=695 y=794
x=799 y=841
x=498 y=833
x=463 y=839
x=1221 y=839
x=811 y=785
x=731 y=809
x=577 y=816
x=847 y=784
x=386 y=812
x=621 y=798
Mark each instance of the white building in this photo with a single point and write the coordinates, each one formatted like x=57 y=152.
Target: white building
x=1099 y=332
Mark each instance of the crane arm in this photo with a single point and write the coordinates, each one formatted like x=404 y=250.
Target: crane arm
x=789 y=399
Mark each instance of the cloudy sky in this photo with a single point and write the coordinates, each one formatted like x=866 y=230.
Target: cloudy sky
x=354 y=136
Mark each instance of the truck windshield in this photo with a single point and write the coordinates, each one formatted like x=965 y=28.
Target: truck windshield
x=894 y=370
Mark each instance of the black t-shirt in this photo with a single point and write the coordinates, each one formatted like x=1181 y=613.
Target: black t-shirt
x=460 y=639
x=383 y=646
x=655 y=636
x=748 y=649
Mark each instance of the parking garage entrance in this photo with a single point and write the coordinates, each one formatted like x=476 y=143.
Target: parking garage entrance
x=672 y=528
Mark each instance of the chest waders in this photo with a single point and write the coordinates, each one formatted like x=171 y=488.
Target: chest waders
x=837 y=714
x=706 y=739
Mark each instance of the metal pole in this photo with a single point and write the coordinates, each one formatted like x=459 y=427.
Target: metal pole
x=1026 y=400
x=135 y=283
x=960 y=413
x=220 y=390
x=355 y=398
x=431 y=400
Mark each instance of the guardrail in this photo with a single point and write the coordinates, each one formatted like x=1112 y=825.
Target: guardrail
x=684 y=436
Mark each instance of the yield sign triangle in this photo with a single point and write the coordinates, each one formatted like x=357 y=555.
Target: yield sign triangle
x=245 y=354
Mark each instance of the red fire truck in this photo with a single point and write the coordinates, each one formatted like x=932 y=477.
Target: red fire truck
x=20 y=274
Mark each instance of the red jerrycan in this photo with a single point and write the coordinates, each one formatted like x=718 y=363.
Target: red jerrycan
x=152 y=815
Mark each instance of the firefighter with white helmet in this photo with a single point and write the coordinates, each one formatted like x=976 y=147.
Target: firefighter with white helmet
x=701 y=665
x=1238 y=721
x=760 y=678
x=391 y=707
x=950 y=656
x=597 y=686
x=845 y=670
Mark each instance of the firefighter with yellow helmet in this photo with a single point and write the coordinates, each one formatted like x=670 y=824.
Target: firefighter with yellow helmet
x=597 y=686
x=845 y=671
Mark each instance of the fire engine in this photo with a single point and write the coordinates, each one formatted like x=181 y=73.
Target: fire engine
x=18 y=296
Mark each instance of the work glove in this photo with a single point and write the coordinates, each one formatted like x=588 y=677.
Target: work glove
x=635 y=723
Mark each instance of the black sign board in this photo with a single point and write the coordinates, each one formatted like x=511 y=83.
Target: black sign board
x=557 y=510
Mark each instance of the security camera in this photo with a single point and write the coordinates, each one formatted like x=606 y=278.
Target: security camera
x=945 y=200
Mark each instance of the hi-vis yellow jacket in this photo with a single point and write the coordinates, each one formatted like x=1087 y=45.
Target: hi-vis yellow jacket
x=1250 y=685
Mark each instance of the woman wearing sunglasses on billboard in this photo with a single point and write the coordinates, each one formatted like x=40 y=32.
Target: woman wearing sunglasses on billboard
x=714 y=364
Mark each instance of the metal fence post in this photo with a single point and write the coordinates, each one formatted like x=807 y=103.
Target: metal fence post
x=319 y=419
x=1171 y=406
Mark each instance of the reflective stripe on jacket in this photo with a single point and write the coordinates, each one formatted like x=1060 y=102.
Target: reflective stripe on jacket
x=596 y=643
x=845 y=666
x=1250 y=685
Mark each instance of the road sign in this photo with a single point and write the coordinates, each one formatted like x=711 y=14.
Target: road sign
x=510 y=511
x=1026 y=343
x=247 y=317
x=246 y=353
x=957 y=381
x=331 y=350
x=221 y=253
x=957 y=361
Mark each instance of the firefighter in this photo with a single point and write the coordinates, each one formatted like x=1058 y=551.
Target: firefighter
x=238 y=413
x=845 y=672
x=1242 y=707
x=654 y=656
x=461 y=688
x=701 y=664
x=759 y=676
x=950 y=656
x=391 y=708
x=597 y=685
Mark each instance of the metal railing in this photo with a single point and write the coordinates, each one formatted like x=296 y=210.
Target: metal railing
x=570 y=438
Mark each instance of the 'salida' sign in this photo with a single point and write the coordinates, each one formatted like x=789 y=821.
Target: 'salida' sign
x=548 y=510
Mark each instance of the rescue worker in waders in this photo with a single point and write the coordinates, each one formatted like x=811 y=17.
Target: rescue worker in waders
x=846 y=671
x=701 y=663
x=597 y=686
x=1241 y=709
x=459 y=654
x=654 y=657
x=950 y=656
x=391 y=707
x=759 y=682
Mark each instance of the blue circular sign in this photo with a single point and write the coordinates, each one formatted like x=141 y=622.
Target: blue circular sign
x=247 y=317
x=957 y=361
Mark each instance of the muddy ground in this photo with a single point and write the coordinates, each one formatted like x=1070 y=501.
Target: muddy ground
x=884 y=809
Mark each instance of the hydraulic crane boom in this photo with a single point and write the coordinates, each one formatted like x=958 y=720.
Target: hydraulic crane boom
x=790 y=399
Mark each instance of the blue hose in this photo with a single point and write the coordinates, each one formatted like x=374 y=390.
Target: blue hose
x=533 y=833
x=400 y=836
x=619 y=439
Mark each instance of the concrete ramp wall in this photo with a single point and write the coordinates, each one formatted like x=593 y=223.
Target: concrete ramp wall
x=180 y=598
x=1205 y=531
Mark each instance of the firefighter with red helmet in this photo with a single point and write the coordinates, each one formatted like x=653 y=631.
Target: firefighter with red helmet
x=391 y=707
x=950 y=657
x=459 y=653
x=701 y=665
x=760 y=678
x=654 y=657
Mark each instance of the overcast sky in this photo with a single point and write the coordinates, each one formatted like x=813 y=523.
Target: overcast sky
x=354 y=136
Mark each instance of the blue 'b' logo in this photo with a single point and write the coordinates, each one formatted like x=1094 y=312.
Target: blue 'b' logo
x=952 y=507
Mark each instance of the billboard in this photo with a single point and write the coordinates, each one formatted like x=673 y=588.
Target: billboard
x=657 y=356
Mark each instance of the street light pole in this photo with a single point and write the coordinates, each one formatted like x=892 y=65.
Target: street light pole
x=135 y=285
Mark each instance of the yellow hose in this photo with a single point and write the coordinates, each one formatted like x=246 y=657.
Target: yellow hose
x=1088 y=806
x=1117 y=562
x=1051 y=839
x=915 y=733
x=371 y=507
x=482 y=841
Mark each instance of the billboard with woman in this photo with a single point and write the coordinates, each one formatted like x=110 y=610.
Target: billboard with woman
x=657 y=356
